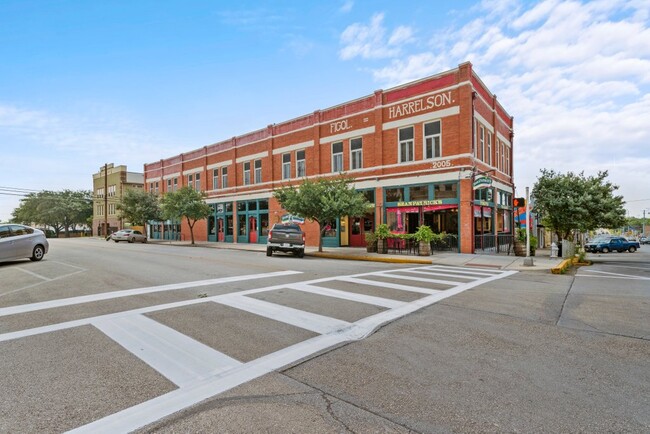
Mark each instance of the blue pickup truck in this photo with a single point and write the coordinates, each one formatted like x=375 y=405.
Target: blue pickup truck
x=611 y=244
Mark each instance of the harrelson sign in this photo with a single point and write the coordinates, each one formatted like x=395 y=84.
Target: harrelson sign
x=419 y=105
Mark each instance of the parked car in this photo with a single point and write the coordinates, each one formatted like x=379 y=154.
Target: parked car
x=129 y=235
x=606 y=245
x=19 y=242
x=286 y=238
x=644 y=240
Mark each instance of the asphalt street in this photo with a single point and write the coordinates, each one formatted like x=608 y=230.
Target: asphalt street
x=105 y=337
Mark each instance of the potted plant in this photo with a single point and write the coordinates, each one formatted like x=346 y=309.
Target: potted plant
x=382 y=233
x=520 y=243
x=371 y=242
x=424 y=235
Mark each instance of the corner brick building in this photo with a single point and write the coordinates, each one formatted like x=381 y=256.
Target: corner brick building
x=436 y=151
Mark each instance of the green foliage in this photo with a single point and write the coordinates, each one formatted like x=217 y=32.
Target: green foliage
x=574 y=201
x=370 y=237
x=521 y=236
x=424 y=234
x=138 y=206
x=187 y=204
x=60 y=210
x=382 y=232
x=322 y=201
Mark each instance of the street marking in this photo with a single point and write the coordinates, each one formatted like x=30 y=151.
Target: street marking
x=130 y=292
x=618 y=275
x=47 y=279
x=389 y=285
x=155 y=409
x=434 y=273
x=178 y=357
x=466 y=270
x=33 y=285
x=345 y=295
x=299 y=318
x=393 y=275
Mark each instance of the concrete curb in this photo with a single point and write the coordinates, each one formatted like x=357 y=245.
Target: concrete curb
x=370 y=258
x=560 y=269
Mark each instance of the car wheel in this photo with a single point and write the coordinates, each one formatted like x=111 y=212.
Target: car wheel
x=38 y=253
x=144 y=240
x=301 y=254
x=605 y=250
x=131 y=240
x=117 y=241
x=269 y=251
x=632 y=249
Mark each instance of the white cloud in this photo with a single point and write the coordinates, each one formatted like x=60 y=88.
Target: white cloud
x=574 y=74
x=370 y=41
x=346 y=7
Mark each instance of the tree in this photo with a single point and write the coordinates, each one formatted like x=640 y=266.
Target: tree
x=573 y=201
x=60 y=210
x=138 y=206
x=185 y=203
x=322 y=201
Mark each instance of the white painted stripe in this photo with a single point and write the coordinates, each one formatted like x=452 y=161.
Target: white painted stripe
x=219 y=164
x=130 y=292
x=344 y=295
x=434 y=273
x=295 y=147
x=388 y=285
x=393 y=275
x=466 y=270
x=347 y=135
x=627 y=276
x=150 y=411
x=613 y=277
x=178 y=357
x=288 y=315
x=252 y=157
x=47 y=279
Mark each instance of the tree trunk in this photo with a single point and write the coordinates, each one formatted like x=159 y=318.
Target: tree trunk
x=320 y=239
x=191 y=229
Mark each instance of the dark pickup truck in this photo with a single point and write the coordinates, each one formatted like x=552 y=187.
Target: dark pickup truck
x=286 y=238
x=611 y=244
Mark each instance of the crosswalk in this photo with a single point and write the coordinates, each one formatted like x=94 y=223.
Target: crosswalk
x=200 y=371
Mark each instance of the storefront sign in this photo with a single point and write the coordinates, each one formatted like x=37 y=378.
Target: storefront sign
x=419 y=105
x=482 y=182
x=404 y=209
x=439 y=207
x=420 y=203
x=288 y=218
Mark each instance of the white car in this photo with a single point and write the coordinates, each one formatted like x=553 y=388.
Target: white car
x=129 y=235
x=20 y=242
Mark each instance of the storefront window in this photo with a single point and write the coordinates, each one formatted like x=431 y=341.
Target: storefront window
x=241 y=206
x=445 y=191
x=330 y=229
x=370 y=195
x=264 y=204
x=419 y=192
x=252 y=206
x=394 y=194
x=242 y=225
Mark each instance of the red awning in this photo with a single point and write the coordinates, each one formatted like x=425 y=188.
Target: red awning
x=487 y=211
x=439 y=207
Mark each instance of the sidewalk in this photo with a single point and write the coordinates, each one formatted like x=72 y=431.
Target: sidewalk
x=541 y=262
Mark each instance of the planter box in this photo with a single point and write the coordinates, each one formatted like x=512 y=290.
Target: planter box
x=382 y=246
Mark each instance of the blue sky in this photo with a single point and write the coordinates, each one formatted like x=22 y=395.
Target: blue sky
x=83 y=83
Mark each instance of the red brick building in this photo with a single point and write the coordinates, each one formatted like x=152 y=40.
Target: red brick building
x=436 y=151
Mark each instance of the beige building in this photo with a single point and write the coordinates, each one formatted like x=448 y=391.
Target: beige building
x=108 y=186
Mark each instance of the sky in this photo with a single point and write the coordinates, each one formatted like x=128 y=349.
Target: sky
x=88 y=82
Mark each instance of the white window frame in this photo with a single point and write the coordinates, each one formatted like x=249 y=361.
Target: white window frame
x=215 y=179
x=197 y=181
x=497 y=151
x=433 y=138
x=481 y=143
x=301 y=164
x=286 y=166
x=336 y=158
x=257 y=174
x=489 y=149
x=190 y=180
x=409 y=145
x=356 y=155
x=247 y=173
x=224 y=177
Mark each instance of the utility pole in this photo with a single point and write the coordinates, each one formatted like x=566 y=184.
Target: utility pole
x=106 y=199
x=528 y=260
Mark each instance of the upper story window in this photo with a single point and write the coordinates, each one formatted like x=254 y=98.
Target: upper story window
x=215 y=179
x=175 y=184
x=481 y=142
x=286 y=166
x=488 y=151
x=258 y=171
x=406 y=144
x=497 y=150
x=190 y=181
x=356 y=153
x=301 y=167
x=247 y=173
x=224 y=177
x=111 y=190
x=169 y=184
x=432 y=140
x=337 y=157
x=197 y=181
x=100 y=191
